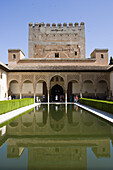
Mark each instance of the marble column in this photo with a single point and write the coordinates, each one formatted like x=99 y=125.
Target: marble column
x=20 y=95
x=65 y=96
x=48 y=96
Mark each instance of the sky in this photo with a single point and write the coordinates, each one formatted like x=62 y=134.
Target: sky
x=15 y=15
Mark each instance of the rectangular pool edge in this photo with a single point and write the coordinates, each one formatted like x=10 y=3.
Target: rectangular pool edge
x=101 y=114
x=10 y=115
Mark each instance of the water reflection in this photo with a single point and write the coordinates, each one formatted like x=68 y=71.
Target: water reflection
x=58 y=137
x=2 y=131
x=57 y=117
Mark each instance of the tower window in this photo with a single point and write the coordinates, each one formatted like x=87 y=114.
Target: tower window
x=56 y=78
x=52 y=79
x=75 y=53
x=102 y=56
x=61 y=79
x=56 y=55
x=14 y=56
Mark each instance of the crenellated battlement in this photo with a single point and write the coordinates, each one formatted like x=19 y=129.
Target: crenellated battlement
x=59 y=25
x=46 y=40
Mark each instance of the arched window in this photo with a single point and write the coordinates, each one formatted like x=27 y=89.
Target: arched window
x=61 y=79
x=102 y=56
x=14 y=56
x=75 y=53
x=52 y=79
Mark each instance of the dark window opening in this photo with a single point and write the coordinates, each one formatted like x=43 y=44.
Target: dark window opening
x=61 y=79
x=52 y=79
x=14 y=56
x=56 y=55
x=75 y=52
x=56 y=78
x=102 y=56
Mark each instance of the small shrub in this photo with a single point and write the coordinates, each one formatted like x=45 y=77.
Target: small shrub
x=103 y=105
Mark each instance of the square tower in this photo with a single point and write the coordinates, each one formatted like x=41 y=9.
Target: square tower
x=14 y=55
x=57 y=41
x=101 y=56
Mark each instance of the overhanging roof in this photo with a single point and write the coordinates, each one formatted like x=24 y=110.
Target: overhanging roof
x=3 y=67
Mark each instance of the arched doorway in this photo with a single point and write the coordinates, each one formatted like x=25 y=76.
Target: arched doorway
x=57 y=93
x=57 y=89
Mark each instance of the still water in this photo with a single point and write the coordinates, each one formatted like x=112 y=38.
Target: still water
x=53 y=137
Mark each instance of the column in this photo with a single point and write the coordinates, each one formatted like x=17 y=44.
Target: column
x=66 y=108
x=48 y=108
x=80 y=84
x=65 y=96
x=34 y=97
x=80 y=93
x=20 y=87
x=48 y=96
x=20 y=95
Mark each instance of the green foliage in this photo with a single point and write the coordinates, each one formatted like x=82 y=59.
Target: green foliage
x=9 y=105
x=103 y=105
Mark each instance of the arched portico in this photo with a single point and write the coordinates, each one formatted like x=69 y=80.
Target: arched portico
x=14 y=90
x=88 y=89
x=94 y=85
x=41 y=90
x=27 y=89
x=73 y=90
x=57 y=90
x=102 y=89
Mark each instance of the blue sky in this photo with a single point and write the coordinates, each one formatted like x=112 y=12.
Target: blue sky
x=15 y=16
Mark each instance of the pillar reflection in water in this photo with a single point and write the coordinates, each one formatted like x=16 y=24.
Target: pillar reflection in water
x=58 y=137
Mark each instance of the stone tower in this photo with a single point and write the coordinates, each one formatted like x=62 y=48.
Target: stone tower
x=57 y=41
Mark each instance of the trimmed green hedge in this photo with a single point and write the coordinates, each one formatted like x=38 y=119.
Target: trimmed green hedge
x=9 y=105
x=103 y=105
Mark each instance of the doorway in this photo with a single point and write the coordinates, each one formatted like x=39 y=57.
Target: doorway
x=57 y=94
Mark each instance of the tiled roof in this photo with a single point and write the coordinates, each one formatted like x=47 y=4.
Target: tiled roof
x=63 y=68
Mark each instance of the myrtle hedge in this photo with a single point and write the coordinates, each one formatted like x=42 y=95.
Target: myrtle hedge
x=103 y=105
x=9 y=105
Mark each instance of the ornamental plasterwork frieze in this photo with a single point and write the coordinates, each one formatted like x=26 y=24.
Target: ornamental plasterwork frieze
x=12 y=78
x=72 y=77
x=27 y=77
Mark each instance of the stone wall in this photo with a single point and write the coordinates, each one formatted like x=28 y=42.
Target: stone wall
x=68 y=41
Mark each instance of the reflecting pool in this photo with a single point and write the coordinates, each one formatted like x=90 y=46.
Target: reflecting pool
x=53 y=137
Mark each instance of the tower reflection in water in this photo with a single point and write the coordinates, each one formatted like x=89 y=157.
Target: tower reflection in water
x=58 y=138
